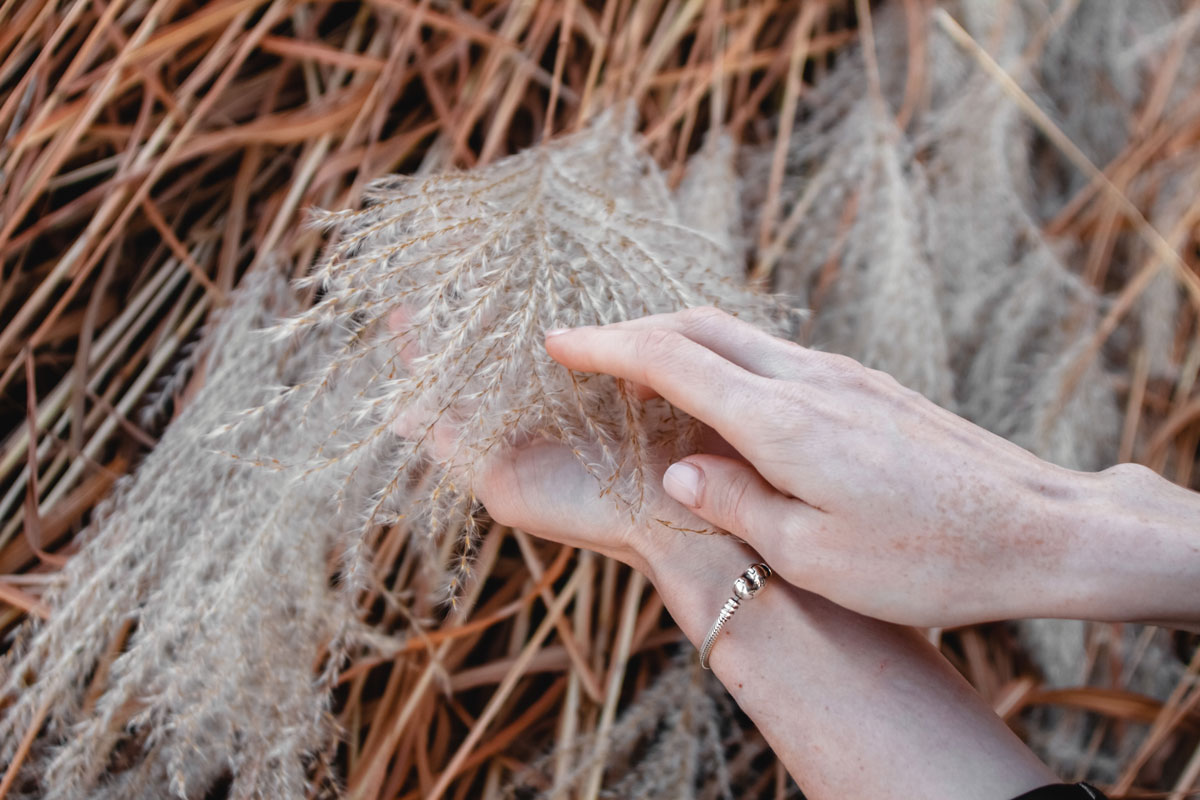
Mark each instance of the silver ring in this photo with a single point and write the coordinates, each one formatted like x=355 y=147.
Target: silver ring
x=744 y=588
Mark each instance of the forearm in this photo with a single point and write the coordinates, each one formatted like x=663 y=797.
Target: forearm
x=1136 y=554
x=854 y=707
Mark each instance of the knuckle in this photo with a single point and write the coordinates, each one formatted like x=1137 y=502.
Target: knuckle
x=775 y=403
x=794 y=532
x=815 y=549
x=786 y=547
x=796 y=352
x=1135 y=473
x=845 y=367
x=884 y=378
x=891 y=389
x=704 y=316
x=891 y=385
x=834 y=369
x=737 y=503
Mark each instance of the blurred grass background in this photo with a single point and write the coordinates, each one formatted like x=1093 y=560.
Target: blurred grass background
x=154 y=151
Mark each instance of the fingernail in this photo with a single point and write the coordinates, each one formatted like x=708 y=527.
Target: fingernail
x=683 y=482
x=556 y=332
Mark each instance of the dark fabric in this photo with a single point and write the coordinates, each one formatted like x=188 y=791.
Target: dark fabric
x=1064 y=791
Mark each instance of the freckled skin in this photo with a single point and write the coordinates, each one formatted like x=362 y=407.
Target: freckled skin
x=904 y=499
x=863 y=491
x=870 y=497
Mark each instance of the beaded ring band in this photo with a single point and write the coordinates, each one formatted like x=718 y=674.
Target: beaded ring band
x=744 y=588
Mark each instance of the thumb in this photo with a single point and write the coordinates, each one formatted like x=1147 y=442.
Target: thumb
x=729 y=494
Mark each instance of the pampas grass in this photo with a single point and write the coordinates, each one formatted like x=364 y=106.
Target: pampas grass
x=200 y=578
x=479 y=265
x=929 y=257
x=681 y=739
x=258 y=609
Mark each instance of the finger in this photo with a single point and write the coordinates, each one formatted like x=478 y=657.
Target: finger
x=728 y=493
x=540 y=487
x=735 y=340
x=688 y=375
x=731 y=495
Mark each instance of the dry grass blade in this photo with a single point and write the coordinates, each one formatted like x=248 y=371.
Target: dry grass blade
x=154 y=153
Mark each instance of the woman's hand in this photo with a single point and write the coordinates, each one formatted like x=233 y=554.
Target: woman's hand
x=541 y=487
x=852 y=706
x=867 y=493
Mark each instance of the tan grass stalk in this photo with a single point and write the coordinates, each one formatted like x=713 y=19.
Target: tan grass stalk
x=133 y=134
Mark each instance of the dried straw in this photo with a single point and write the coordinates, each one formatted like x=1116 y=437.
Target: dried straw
x=154 y=152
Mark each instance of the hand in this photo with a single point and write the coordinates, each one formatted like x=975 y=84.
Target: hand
x=852 y=706
x=853 y=486
x=542 y=488
x=887 y=709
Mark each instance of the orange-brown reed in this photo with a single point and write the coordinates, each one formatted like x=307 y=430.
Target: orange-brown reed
x=153 y=151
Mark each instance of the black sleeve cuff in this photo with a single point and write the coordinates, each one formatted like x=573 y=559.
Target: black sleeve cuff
x=1064 y=791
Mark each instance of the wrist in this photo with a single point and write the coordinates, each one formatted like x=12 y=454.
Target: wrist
x=847 y=703
x=694 y=574
x=1140 y=539
x=1036 y=555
